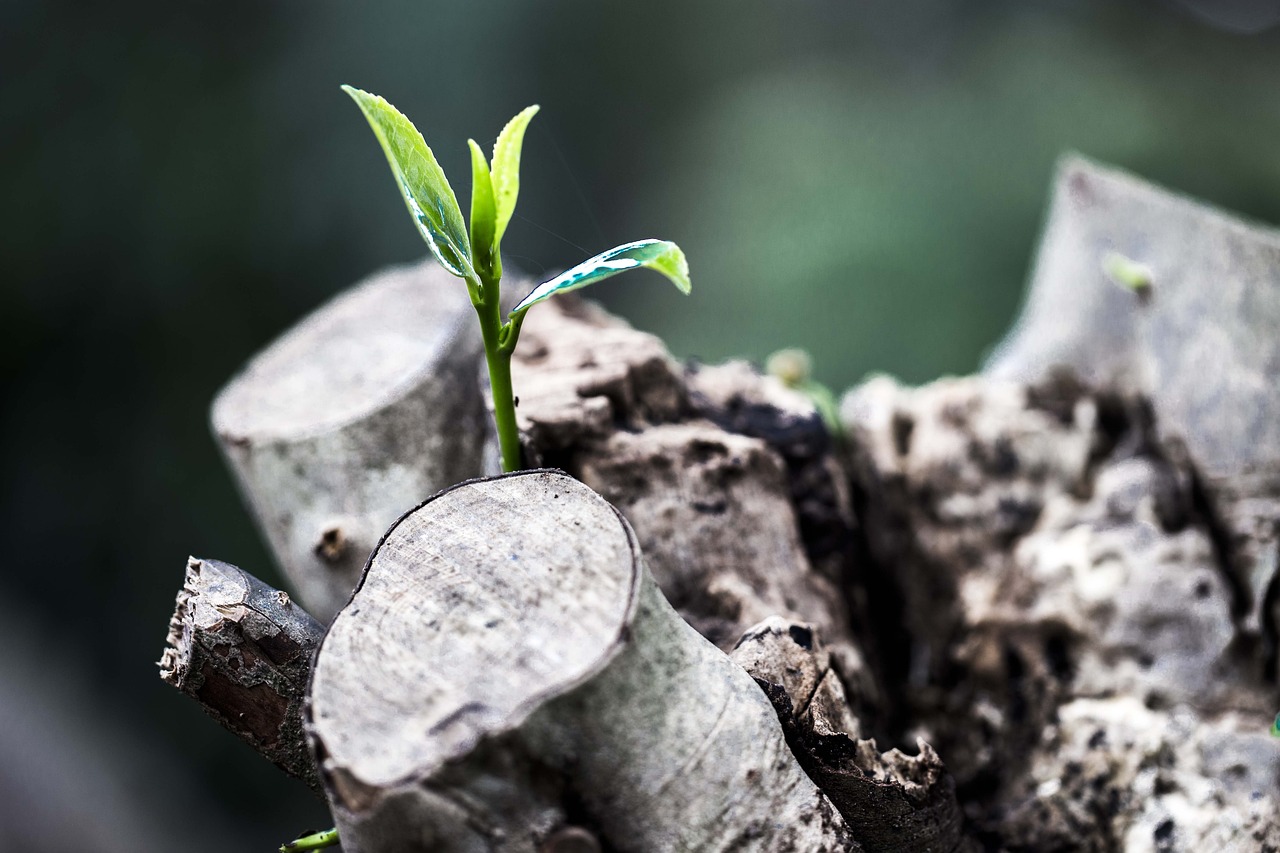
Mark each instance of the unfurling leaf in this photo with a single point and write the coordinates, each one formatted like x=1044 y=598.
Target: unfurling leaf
x=483 y=215
x=426 y=190
x=506 y=169
x=660 y=255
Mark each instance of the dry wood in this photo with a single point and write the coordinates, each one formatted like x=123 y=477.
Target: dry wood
x=729 y=479
x=355 y=415
x=1202 y=346
x=1054 y=570
x=507 y=667
x=892 y=802
x=243 y=651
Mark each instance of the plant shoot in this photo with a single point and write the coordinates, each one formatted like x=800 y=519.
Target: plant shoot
x=474 y=254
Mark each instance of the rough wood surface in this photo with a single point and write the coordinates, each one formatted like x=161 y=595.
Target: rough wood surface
x=243 y=651
x=507 y=667
x=1078 y=653
x=352 y=417
x=729 y=479
x=1202 y=347
x=892 y=802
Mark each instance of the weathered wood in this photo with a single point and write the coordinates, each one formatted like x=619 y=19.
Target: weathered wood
x=243 y=651
x=892 y=802
x=1048 y=550
x=1202 y=346
x=507 y=666
x=719 y=470
x=355 y=415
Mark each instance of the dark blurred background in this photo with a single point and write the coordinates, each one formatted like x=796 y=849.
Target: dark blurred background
x=179 y=182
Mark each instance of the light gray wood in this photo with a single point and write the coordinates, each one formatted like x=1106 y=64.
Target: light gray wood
x=1202 y=343
x=507 y=661
x=243 y=651
x=1213 y=311
x=355 y=415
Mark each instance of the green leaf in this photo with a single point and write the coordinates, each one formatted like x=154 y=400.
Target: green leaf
x=426 y=190
x=660 y=255
x=483 y=213
x=506 y=169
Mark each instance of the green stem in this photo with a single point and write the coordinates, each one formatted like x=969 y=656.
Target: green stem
x=497 y=353
x=314 y=841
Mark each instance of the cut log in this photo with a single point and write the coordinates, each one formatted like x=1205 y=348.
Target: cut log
x=243 y=651
x=508 y=667
x=358 y=413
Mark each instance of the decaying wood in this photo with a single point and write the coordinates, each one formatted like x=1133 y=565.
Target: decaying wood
x=1049 y=552
x=243 y=651
x=507 y=666
x=1203 y=347
x=891 y=801
x=719 y=470
x=351 y=418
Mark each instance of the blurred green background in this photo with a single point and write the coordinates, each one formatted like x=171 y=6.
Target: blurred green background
x=181 y=182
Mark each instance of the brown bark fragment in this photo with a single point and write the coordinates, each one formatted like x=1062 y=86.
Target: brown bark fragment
x=243 y=651
x=892 y=802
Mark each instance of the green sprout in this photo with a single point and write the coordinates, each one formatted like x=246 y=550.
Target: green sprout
x=311 y=841
x=794 y=369
x=1275 y=726
x=1129 y=274
x=474 y=254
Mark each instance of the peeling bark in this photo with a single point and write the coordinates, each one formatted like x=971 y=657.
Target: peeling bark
x=243 y=651
x=892 y=802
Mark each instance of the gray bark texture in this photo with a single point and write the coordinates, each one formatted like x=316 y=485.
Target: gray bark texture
x=351 y=418
x=243 y=651
x=508 y=666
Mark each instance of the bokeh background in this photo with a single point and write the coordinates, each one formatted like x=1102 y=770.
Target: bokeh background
x=179 y=182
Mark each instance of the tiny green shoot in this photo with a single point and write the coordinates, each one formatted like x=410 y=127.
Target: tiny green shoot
x=794 y=369
x=474 y=253
x=311 y=841
x=1128 y=273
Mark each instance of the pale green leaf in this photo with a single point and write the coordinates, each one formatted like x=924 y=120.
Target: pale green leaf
x=483 y=215
x=660 y=255
x=506 y=169
x=422 y=182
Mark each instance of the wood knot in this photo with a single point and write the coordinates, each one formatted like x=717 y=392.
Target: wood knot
x=570 y=839
x=332 y=545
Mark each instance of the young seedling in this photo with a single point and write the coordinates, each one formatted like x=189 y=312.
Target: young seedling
x=474 y=254
x=794 y=369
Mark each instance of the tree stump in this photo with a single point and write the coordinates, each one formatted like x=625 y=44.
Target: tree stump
x=507 y=668
x=350 y=419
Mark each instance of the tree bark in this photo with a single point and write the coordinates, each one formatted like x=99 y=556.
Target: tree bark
x=351 y=418
x=508 y=667
x=243 y=651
